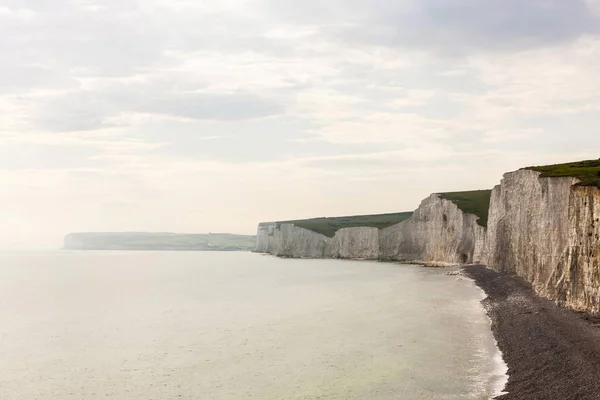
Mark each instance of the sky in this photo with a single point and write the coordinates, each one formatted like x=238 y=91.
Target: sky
x=213 y=115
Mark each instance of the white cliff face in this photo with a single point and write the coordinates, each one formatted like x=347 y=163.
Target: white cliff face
x=528 y=226
x=545 y=231
x=354 y=243
x=264 y=232
x=576 y=280
x=438 y=232
x=288 y=240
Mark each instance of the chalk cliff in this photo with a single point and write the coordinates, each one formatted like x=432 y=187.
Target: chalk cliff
x=438 y=232
x=264 y=235
x=354 y=243
x=288 y=240
x=545 y=231
x=577 y=278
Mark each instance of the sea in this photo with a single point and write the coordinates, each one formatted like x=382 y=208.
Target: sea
x=236 y=326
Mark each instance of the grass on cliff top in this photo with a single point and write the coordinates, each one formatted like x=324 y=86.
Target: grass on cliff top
x=588 y=172
x=475 y=202
x=329 y=226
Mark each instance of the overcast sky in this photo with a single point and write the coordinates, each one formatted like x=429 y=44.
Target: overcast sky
x=213 y=115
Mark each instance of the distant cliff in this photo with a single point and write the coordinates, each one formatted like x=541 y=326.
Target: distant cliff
x=354 y=237
x=540 y=223
x=158 y=241
x=289 y=240
x=438 y=232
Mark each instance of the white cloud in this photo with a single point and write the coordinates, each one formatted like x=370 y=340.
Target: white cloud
x=594 y=6
x=385 y=128
x=555 y=79
x=511 y=135
x=16 y=13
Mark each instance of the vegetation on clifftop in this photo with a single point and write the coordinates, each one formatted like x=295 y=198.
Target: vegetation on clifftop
x=588 y=172
x=329 y=226
x=475 y=202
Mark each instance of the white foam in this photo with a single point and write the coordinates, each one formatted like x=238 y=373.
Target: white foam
x=500 y=374
x=498 y=379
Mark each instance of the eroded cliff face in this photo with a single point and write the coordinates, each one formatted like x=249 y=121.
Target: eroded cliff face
x=545 y=231
x=354 y=243
x=528 y=225
x=288 y=240
x=438 y=232
x=577 y=278
x=263 y=234
x=264 y=237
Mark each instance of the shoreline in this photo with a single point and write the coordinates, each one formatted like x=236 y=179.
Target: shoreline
x=551 y=352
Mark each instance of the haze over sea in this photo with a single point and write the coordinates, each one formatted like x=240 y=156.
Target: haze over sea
x=234 y=326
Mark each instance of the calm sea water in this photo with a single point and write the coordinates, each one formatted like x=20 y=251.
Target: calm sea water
x=234 y=326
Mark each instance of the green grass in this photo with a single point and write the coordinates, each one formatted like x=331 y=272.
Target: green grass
x=329 y=226
x=475 y=202
x=588 y=172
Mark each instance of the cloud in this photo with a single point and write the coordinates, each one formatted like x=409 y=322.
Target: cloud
x=21 y=78
x=511 y=136
x=14 y=156
x=213 y=106
x=448 y=27
x=384 y=128
x=23 y=14
x=384 y=162
x=566 y=78
x=88 y=110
